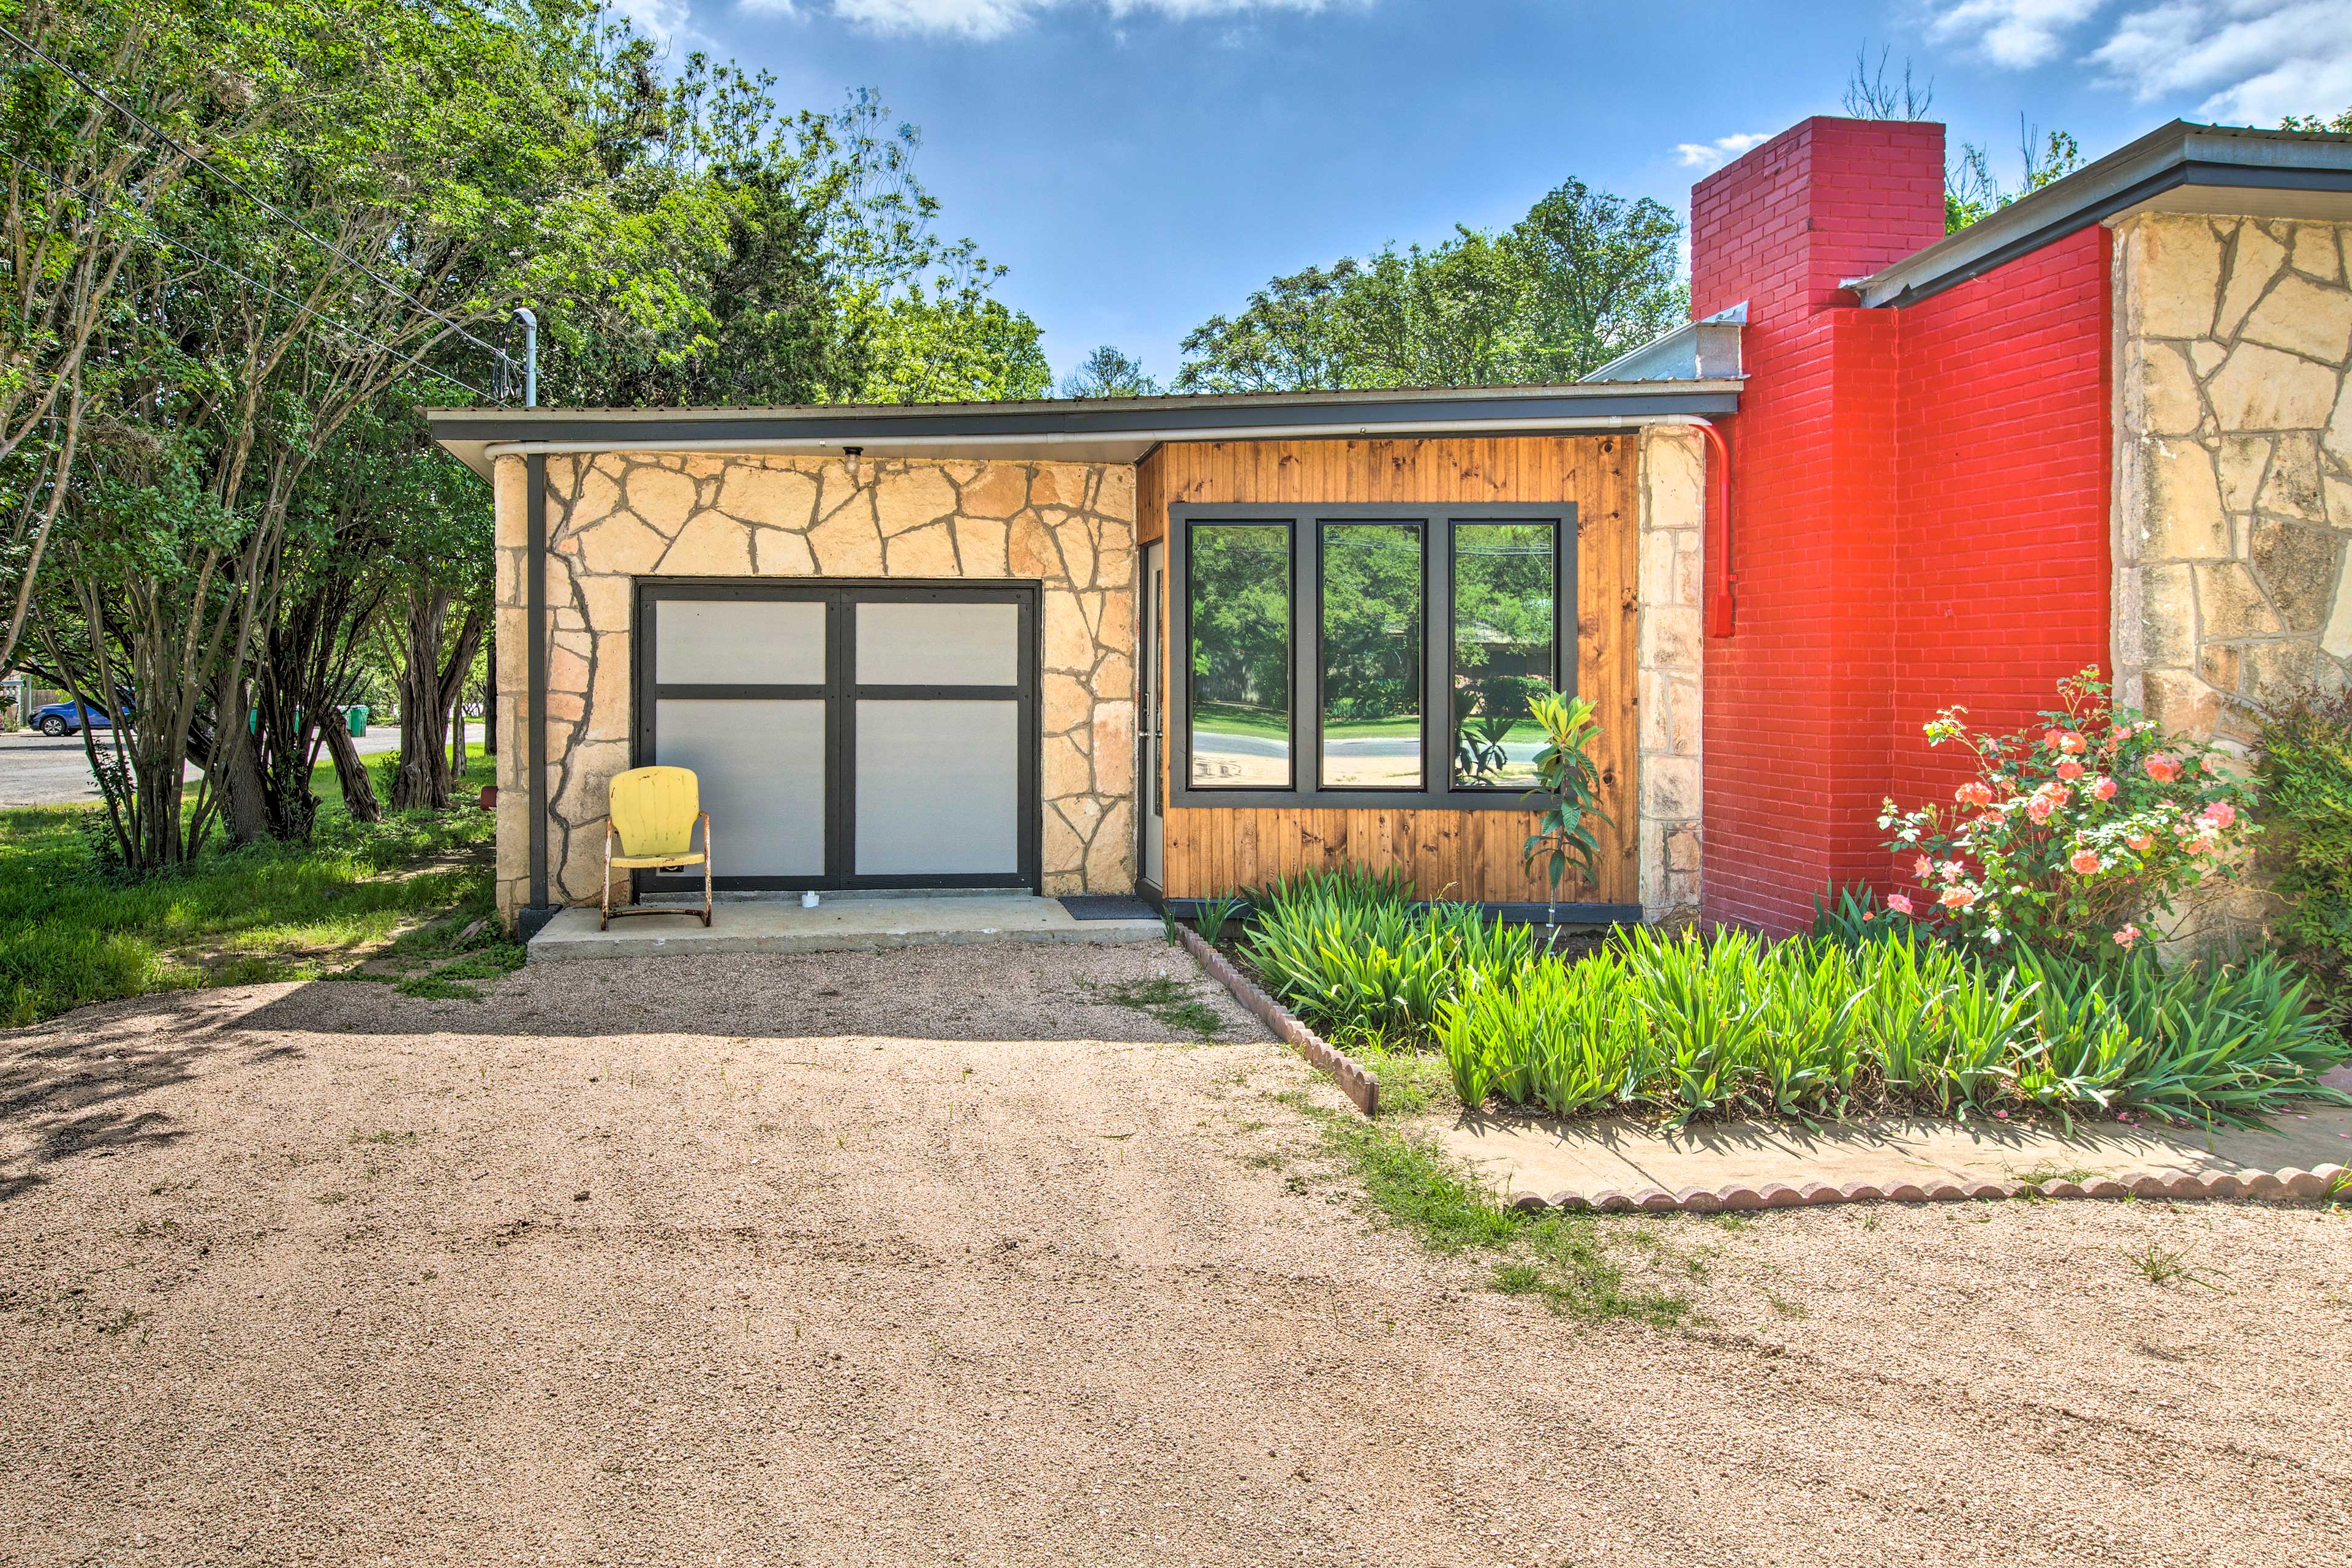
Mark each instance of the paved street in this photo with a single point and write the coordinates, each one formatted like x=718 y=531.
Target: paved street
x=37 y=771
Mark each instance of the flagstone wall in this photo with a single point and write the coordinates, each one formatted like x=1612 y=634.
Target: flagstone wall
x=613 y=518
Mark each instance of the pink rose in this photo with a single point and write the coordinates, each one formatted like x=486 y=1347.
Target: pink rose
x=1899 y=903
x=2203 y=844
x=2220 y=812
x=2084 y=862
x=2040 y=808
x=2069 y=769
x=2161 y=768
x=2141 y=843
x=1975 y=793
x=1923 y=870
x=1958 y=899
x=2126 y=936
x=2103 y=788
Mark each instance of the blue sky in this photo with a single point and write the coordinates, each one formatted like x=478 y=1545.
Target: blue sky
x=1140 y=165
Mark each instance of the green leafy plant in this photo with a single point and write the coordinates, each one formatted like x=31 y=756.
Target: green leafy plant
x=2074 y=830
x=1216 y=913
x=1352 y=954
x=1565 y=779
x=2304 y=774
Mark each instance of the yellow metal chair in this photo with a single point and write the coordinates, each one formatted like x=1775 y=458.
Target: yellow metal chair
x=652 y=812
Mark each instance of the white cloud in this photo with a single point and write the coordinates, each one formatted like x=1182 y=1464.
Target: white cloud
x=2256 y=60
x=2019 y=34
x=664 y=20
x=1715 y=153
x=994 y=18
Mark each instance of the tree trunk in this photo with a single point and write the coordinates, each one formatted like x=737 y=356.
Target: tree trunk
x=245 y=800
x=428 y=691
x=491 y=694
x=351 y=773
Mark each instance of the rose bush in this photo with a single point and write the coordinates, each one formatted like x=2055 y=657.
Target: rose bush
x=2074 y=831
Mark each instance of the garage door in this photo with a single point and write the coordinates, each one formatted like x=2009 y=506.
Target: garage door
x=847 y=735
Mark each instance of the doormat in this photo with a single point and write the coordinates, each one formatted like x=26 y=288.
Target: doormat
x=1108 y=906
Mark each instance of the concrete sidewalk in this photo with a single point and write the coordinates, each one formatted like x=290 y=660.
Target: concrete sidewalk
x=1581 y=1162
x=842 y=923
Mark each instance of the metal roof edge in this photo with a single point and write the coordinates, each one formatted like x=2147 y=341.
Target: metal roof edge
x=1147 y=420
x=2179 y=153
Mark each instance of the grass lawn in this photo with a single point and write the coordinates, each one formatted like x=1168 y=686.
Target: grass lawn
x=388 y=901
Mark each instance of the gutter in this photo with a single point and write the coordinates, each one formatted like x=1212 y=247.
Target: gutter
x=882 y=445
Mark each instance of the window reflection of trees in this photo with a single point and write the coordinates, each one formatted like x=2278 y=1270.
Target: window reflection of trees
x=1504 y=613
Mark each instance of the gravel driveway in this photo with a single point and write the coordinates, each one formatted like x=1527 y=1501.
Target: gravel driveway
x=944 y=1255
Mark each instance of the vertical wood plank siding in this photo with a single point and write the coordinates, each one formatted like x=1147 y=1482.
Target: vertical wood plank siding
x=1459 y=854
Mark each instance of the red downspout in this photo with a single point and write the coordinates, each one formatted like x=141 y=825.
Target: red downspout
x=1722 y=599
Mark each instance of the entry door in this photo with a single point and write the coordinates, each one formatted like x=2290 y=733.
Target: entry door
x=1151 y=729
x=847 y=735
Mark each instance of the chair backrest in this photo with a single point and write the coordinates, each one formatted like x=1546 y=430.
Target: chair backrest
x=654 y=810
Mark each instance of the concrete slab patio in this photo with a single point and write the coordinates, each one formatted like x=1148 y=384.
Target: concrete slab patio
x=1584 y=1161
x=843 y=922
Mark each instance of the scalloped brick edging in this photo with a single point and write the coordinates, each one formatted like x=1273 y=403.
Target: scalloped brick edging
x=1355 y=1080
x=2315 y=1183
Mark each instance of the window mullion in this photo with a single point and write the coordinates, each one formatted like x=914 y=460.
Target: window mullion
x=1437 y=655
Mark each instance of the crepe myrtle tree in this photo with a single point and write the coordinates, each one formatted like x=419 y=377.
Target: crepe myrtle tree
x=2074 y=830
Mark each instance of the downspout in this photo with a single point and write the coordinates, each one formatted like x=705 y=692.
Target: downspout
x=1722 y=599
x=539 y=911
x=535 y=574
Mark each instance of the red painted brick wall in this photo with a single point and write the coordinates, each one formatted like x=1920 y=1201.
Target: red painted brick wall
x=1920 y=502
x=2003 y=490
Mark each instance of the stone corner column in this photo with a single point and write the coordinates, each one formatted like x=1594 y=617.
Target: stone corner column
x=1669 y=790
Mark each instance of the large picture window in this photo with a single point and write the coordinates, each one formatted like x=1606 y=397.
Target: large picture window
x=1360 y=656
x=1506 y=648
x=1371 y=655
x=1238 y=655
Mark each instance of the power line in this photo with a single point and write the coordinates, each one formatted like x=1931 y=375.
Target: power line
x=159 y=236
x=199 y=160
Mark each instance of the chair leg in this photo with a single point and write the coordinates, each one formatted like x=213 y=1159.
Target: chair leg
x=605 y=902
x=706 y=871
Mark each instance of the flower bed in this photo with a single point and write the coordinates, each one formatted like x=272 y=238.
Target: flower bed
x=1683 y=1027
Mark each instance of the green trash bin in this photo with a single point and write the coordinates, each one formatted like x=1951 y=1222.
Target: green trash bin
x=355 y=719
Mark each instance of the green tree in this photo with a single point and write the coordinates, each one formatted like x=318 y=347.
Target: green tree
x=1107 y=373
x=2341 y=125
x=1582 y=278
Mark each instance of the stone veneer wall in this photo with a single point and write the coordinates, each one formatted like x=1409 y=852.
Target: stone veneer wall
x=2233 y=481
x=1673 y=553
x=2234 y=465
x=613 y=518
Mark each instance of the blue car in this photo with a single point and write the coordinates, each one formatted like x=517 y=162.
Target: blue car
x=69 y=718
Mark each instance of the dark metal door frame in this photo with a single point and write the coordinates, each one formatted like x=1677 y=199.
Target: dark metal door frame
x=841 y=692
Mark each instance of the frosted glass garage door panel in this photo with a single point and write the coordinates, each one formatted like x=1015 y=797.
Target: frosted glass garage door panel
x=939 y=788
x=935 y=643
x=761 y=770
x=739 y=642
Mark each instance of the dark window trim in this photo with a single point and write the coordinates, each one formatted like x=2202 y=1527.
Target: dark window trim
x=1563 y=636
x=1437 y=791
x=841 y=694
x=1301 y=677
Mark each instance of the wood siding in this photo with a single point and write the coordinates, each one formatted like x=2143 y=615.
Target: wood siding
x=1471 y=855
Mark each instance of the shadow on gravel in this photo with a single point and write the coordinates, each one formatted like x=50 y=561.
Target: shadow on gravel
x=74 y=1087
